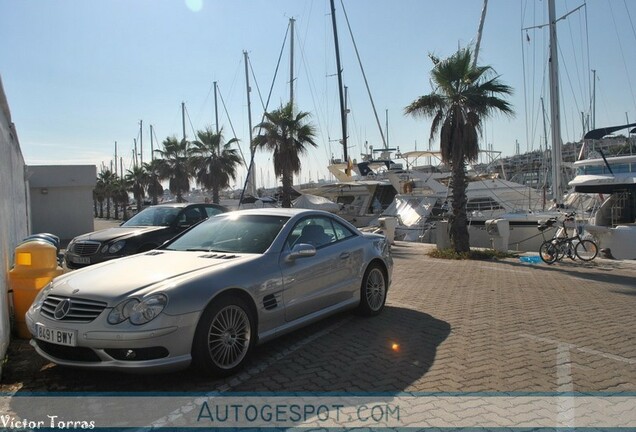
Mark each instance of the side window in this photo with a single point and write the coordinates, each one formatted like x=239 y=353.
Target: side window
x=316 y=231
x=211 y=211
x=340 y=231
x=190 y=216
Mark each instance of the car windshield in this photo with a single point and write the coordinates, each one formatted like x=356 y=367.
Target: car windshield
x=154 y=216
x=231 y=233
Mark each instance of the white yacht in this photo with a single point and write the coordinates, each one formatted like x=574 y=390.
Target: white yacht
x=613 y=222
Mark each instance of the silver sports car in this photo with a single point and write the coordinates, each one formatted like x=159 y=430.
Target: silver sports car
x=209 y=295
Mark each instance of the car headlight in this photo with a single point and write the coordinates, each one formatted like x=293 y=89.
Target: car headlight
x=138 y=311
x=39 y=298
x=117 y=246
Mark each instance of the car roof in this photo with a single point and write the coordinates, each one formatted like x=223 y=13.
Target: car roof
x=181 y=205
x=277 y=211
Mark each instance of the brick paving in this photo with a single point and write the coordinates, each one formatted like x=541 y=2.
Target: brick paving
x=449 y=326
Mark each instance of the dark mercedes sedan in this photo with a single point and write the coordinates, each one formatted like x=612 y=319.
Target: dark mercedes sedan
x=144 y=231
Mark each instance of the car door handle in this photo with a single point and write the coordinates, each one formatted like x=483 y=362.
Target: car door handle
x=344 y=255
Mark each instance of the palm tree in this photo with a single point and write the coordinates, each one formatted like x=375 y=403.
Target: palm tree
x=120 y=197
x=464 y=94
x=214 y=163
x=136 y=180
x=153 y=187
x=105 y=180
x=174 y=166
x=287 y=136
x=98 y=198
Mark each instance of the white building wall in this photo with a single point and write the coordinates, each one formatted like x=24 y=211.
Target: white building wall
x=14 y=213
x=62 y=199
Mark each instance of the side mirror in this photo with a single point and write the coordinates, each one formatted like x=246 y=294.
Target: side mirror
x=302 y=250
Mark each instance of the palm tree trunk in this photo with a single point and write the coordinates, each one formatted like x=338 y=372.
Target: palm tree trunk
x=95 y=207
x=287 y=186
x=107 y=208
x=116 y=210
x=101 y=209
x=215 y=193
x=458 y=221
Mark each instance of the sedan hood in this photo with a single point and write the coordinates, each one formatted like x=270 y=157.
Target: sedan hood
x=115 y=279
x=118 y=232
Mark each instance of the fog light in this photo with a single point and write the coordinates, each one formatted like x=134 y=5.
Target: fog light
x=130 y=355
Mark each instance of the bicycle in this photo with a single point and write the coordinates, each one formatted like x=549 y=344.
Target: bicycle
x=562 y=244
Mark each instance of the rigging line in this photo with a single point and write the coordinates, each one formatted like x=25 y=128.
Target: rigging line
x=364 y=75
x=194 y=134
x=258 y=88
x=231 y=125
x=567 y=73
x=574 y=54
x=620 y=44
x=630 y=18
x=589 y=66
x=523 y=69
x=312 y=91
x=271 y=89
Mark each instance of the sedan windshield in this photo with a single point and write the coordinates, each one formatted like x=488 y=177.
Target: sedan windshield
x=229 y=233
x=154 y=216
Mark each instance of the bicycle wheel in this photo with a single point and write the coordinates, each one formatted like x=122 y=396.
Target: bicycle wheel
x=586 y=250
x=549 y=252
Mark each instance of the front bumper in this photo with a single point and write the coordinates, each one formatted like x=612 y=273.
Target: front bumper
x=162 y=345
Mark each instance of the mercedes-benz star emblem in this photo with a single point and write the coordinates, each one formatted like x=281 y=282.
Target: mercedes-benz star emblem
x=62 y=309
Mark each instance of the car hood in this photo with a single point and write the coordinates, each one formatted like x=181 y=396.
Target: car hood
x=142 y=273
x=118 y=232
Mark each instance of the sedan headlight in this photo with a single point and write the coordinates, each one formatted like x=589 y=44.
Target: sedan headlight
x=117 y=246
x=138 y=311
x=39 y=298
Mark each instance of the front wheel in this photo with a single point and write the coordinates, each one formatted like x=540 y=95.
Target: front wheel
x=373 y=291
x=224 y=337
x=586 y=250
x=549 y=252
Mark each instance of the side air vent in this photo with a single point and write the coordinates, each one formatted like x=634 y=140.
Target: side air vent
x=270 y=302
x=153 y=253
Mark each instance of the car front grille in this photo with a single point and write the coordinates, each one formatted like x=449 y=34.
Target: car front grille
x=84 y=248
x=81 y=310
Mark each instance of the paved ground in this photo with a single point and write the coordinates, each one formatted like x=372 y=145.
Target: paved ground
x=459 y=325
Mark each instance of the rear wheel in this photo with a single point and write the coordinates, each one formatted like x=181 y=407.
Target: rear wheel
x=549 y=252
x=373 y=291
x=224 y=337
x=586 y=250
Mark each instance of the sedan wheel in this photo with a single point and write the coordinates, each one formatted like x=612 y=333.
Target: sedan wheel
x=373 y=291
x=223 y=338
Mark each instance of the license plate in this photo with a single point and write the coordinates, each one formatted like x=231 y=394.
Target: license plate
x=57 y=336
x=80 y=260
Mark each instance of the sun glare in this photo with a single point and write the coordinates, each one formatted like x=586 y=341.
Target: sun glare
x=194 y=5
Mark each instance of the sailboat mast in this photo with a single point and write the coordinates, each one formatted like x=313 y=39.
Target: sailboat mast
x=251 y=177
x=555 y=105
x=216 y=109
x=183 y=119
x=479 y=32
x=291 y=62
x=141 y=142
x=343 y=114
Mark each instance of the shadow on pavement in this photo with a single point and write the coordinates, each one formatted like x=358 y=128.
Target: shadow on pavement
x=582 y=270
x=344 y=353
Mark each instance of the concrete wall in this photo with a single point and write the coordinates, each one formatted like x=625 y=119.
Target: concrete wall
x=14 y=213
x=62 y=199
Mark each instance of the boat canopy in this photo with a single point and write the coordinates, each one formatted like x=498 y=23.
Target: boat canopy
x=597 y=134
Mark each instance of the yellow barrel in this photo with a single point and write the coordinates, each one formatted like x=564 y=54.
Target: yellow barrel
x=35 y=266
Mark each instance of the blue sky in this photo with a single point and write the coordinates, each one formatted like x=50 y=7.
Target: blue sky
x=80 y=75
